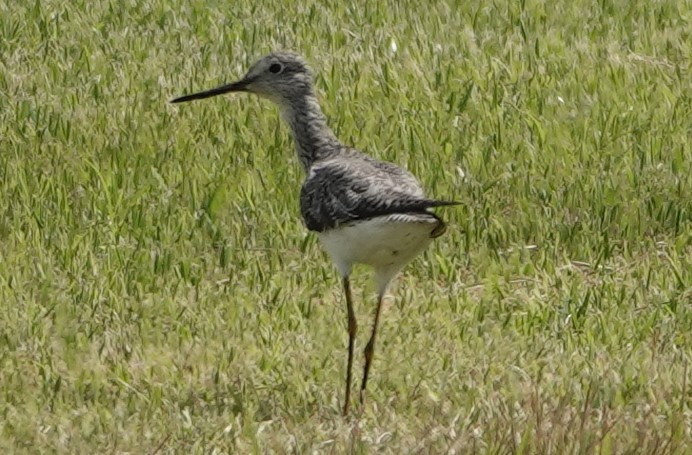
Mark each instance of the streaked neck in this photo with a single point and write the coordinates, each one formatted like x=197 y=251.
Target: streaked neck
x=315 y=141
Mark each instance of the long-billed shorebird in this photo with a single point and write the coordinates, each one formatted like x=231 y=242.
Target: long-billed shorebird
x=364 y=211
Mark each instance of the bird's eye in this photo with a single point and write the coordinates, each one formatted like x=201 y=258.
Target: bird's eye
x=276 y=68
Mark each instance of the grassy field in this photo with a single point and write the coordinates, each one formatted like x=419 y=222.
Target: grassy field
x=159 y=293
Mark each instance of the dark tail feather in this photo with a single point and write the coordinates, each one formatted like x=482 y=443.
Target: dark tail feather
x=435 y=203
x=441 y=225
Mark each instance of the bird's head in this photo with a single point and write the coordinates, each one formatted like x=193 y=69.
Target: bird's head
x=279 y=77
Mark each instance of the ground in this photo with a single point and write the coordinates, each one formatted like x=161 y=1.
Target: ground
x=160 y=293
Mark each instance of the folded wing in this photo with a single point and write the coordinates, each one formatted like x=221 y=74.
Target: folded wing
x=343 y=191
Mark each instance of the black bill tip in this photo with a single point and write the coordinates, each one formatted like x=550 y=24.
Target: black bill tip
x=233 y=87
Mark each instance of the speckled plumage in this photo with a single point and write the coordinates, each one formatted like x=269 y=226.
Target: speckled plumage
x=342 y=184
x=353 y=187
x=363 y=210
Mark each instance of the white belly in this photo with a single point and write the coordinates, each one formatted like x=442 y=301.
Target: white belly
x=387 y=242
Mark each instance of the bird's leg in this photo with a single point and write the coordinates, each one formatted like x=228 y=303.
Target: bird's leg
x=352 y=327
x=370 y=347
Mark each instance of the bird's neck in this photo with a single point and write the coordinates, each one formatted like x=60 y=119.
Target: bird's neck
x=315 y=141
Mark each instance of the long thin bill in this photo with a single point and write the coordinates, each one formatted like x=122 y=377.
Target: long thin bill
x=233 y=87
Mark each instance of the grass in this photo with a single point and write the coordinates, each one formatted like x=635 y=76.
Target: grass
x=160 y=294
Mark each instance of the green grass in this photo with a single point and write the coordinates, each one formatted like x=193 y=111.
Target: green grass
x=158 y=291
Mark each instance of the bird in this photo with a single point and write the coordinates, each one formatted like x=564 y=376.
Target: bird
x=363 y=210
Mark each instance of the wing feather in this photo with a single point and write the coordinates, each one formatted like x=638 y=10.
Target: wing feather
x=346 y=190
